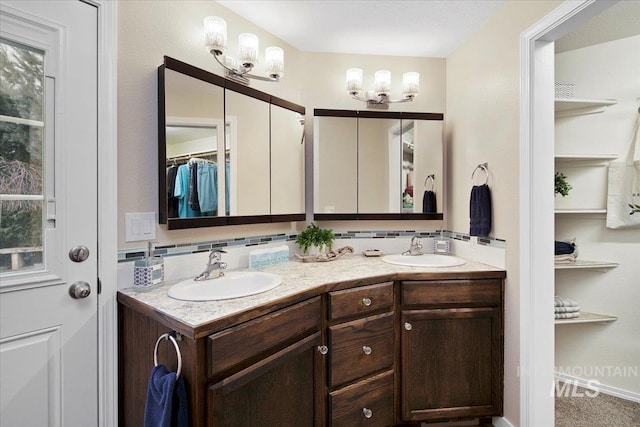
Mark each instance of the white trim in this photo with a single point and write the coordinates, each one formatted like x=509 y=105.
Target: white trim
x=602 y=388
x=502 y=422
x=536 y=206
x=108 y=210
x=20 y=121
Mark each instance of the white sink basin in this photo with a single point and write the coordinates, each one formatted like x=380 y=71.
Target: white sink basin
x=234 y=284
x=425 y=260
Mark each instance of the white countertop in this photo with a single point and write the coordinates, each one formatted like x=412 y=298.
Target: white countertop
x=297 y=277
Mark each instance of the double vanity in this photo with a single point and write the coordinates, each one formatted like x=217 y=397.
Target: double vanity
x=358 y=341
x=353 y=342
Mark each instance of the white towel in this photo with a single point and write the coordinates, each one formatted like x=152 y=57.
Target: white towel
x=565 y=259
x=567 y=315
x=567 y=309
x=564 y=302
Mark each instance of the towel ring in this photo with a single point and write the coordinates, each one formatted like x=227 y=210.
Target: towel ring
x=169 y=337
x=433 y=182
x=481 y=166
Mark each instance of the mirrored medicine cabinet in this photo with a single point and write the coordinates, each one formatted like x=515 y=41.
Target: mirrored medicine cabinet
x=378 y=165
x=228 y=154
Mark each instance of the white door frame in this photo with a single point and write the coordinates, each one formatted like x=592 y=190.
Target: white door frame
x=108 y=210
x=537 y=205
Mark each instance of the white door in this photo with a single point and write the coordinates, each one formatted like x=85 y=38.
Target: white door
x=48 y=198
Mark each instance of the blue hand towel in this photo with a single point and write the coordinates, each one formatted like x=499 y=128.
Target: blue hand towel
x=564 y=248
x=429 y=202
x=480 y=210
x=166 y=404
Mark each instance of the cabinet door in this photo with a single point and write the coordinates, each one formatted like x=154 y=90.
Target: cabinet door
x=451 y=364
x=277 y=391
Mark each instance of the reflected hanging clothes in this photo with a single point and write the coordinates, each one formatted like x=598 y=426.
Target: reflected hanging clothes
x=172 y=201
x=181 y=192
x=207 y=188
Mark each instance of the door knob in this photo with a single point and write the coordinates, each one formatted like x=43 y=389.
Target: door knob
x=79 y=290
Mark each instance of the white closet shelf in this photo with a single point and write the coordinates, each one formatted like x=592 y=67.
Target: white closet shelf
x=584 y=159
x=586 y=317
x=566 y=107
x=580 y=211
x=584 y=264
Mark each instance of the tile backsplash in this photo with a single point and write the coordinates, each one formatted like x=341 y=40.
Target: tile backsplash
x=189 y=259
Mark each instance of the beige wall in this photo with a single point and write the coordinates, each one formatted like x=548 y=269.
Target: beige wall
x=147 y=31
x=483 y=126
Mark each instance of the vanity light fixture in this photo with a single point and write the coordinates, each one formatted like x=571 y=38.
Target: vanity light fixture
x=238 y=69
x=379 y=97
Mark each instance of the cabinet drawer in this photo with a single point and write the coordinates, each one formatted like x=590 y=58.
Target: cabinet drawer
x=481 y=292
x=366 y=403
x=360 y=300
x=234 y=345
x=360 y=347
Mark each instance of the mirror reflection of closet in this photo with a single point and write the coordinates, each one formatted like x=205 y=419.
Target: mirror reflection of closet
x=239 y=148
x=194 y=138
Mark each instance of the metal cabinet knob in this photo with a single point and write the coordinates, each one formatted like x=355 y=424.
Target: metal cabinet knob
x=366 y=301
x=368 y=413
x=366 y=349
x=323 y=349
x=407 y=326
x=79 y=290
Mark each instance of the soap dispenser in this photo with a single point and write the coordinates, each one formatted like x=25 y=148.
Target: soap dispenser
x=149 y=270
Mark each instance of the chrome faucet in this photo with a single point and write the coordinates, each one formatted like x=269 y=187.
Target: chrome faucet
x=415 y=248
x=215 y=264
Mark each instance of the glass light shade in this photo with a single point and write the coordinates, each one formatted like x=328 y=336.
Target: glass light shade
x=274 y=61
x=382 y=82
x=248 y=49
x=215 y=33
x=354 y=80
x=230 y=61
x=410 y=83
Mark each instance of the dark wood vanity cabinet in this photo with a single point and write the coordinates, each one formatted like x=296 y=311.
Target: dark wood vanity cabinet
x=381 y=354
x=262 y=372
x=361 y=356
x=451 y=353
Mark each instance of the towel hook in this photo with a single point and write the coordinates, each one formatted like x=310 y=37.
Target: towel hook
x=433 y=182
x=169 y=337
x=481 y=166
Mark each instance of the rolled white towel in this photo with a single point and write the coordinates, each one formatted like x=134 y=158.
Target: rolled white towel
x=567 y=315
x=564 y=302
x=567 y=309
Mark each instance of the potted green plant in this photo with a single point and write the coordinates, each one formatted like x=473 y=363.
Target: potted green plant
x=315 y=237
x=561 y=184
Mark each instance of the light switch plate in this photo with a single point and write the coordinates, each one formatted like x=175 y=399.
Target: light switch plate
x=140 y=226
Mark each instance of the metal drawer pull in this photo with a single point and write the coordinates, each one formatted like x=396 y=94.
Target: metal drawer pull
x=366 y=301
x=368 y=413
x=366 y=349
x=407 y=326
x=323 y=349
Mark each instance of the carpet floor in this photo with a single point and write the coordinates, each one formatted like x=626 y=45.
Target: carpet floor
x=600 y=411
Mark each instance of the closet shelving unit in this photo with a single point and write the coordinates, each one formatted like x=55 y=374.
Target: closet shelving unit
x=569 y=107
